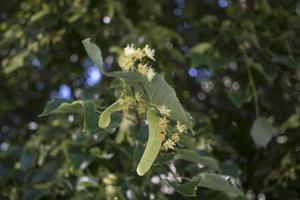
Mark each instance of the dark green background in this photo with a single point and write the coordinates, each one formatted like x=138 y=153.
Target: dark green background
x=250 y=68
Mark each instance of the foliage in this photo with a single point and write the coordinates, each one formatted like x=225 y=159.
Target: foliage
x=234 y=67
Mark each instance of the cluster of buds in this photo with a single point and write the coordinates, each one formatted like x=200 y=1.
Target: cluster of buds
x=133 y=59
x=131 y=101
x=170 y=138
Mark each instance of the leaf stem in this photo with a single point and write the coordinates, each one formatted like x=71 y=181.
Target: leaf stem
x=254 y=90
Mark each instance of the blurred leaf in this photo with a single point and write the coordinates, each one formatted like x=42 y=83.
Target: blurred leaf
x=187 y=141
x=95 y=151
x=262 y=132
x=217 y=182
x=26 y=161
x=293 y=121
x=46 y=173
x=201 y=54
x=188 y=188
x=192 y=156
x=86 y=182
x=207 y=180
x=86 y=107
x=35 y=194
x=94 y=53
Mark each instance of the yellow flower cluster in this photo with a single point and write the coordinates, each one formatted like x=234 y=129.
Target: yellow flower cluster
x=132 y=59
x=169 y=143
x=127 y=102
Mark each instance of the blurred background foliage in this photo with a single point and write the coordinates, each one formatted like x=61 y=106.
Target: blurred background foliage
x=234 y=66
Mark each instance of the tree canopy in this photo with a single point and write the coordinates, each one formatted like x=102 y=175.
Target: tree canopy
x=235 y=70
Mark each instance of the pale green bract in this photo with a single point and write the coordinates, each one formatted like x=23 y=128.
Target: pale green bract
x=153 y=144
x=104 y=119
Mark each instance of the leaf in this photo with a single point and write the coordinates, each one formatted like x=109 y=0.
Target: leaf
x=46 y=173
x=192 y=156
x=86 y=107
x=186 y=141
x=55 y=106
x=207 y=180
x=86 y=182
x=104 y=119
x=201 y=47
x=217 y=182
x=26 y=161
x=35 y=194
x=94 y=53
x=262 y=132
x=188 y=188
x=201 y=54
x=160 y=93
x=153 y=144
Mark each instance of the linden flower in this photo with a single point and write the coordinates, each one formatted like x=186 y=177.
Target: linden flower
x=150 y=74
x=169 y=144
x=163 y=124
x=143 y=69
x=175 y=137
x=164 y=110
x=162 y=136
x=126 y=102
x=125 y=62
x=129 y=50
x=149 y=52
x=138 y=54
x=141 y=108
x=181 y=127
x=137 y=96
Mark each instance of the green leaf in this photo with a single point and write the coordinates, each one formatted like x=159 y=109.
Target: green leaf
x=188 y=188
x=90 y=116
x=207 y=180
x=201 y=54
x=26 y=160
x=104 y=119
x=86 y=182
x=217 y=182
x=160 y=93
x=35 y=194
x=46 y=173
x=63 y=106
x=187 y=141
x=192 y=156
x=94 y=53
x=153 y=144
x=262 y=132
x=86 y=107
